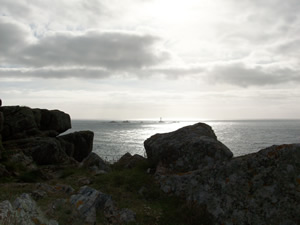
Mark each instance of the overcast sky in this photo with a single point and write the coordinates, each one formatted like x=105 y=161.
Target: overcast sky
x=144 y=59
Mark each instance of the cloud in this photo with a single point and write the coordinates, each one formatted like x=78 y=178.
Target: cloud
x=13 y=38
x=57 y=73
x=240 y=75
x=110 y=51
x=113 y=50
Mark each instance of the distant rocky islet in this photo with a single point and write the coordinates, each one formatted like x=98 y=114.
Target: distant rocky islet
x=259 y=188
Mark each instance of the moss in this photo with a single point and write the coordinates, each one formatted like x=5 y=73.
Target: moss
x=31 y=176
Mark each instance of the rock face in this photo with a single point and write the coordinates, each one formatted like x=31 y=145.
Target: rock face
x=23 y=122
x=260 y=188
x=34 y=132
x=78 y=144
x=187 y=149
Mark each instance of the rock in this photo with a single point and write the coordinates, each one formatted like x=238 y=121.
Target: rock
x=87 y=201
x=118 y=216
x=49 y=150
x=22 y=160
x=129 y=161
x=3 y=171
x=33 y=132
x=58 y=188
x=46 y=151
x=38 y=194
x=24 y=122
x=7 y=213
x=78 y=144
x=1 y=121
x=259 y=188
x=187 y=149
x=52 y=120
x=1 y=128
x=64 y=188
x=24 y=211
x=84 y=181
x=95 y=163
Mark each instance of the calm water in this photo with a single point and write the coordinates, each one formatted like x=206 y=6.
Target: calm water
x=112 y=140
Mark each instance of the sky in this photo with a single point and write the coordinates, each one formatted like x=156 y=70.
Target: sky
x=146 y=59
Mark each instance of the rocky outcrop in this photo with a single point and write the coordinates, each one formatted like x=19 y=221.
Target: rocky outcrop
x=260 y=188
x=23 y=122
x=34 y=132
x=23 y=211
x=78 y=144
x=187 y=149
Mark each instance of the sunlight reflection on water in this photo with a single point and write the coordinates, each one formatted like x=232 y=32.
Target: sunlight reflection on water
x=113 y=140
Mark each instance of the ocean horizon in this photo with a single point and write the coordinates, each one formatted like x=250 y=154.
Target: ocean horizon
x=114 y=138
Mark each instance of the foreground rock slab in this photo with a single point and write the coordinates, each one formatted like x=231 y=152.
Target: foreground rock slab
x=186 y=149
x=87 y=201
x=23 y=211
x=260 y=188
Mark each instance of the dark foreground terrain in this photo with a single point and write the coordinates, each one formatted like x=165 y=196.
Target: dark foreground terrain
x=189 y=177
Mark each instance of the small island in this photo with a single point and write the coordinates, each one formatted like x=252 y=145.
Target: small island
x=188 y=177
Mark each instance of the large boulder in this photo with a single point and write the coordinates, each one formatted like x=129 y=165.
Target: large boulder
x=43 y=150
x=23 y=122
x=259 y=188
x=78 y=144
x=47 y=151
x=54 y=150
x=186 y=149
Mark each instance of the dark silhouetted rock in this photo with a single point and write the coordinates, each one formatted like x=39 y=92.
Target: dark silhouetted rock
x=46 y=151
x=23 y=122
x=95 y=163
x=1 y=128
x=129 y=161
x=186 y=149
x=55 y=120
x=78 y=144
x=259 y=188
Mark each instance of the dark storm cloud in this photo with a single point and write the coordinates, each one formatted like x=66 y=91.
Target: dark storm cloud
x=240 y=75
x=112 y=50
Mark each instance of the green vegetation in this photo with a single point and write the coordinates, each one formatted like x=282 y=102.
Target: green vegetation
x=130 y=188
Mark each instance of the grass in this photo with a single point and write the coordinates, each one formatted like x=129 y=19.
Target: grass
x=138 y=191
x=130 y=188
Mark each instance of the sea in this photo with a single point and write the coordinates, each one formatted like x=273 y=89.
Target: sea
x=112 y=139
